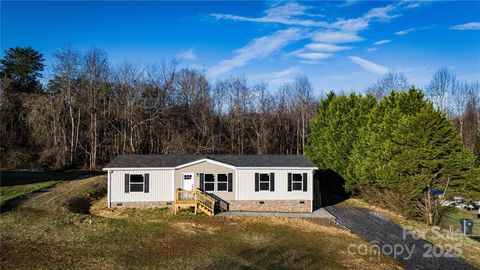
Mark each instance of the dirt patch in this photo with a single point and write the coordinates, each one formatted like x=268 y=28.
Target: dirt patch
x=98 y=208
x=194 y=228
x=297 y=223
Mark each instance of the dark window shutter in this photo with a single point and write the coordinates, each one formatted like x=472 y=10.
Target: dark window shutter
x=230 y=177
x=257 y=182
x=127 y=180
x=146 y=180
x=305 y=181
x=272 y=182
x=202 y=181
x=289 y=182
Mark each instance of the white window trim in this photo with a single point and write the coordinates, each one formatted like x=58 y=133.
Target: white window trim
x=301 y=181
x=130 y=186
x=216 y=183
x=260 y=182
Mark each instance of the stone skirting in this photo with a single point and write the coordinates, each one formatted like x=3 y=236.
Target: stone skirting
x=288 y=206
x=285 y=206
x=141 y=204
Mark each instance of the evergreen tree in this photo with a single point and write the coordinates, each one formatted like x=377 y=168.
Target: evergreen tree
x=20 y=69
x=410 y=148
x=367 y=163
x=335 y=129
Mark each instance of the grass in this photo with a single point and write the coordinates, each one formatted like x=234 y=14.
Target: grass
x=453 y=217
x=470 y=249
x=17 y=184
x=13 y=178
x=46 y=232
x=10 y=193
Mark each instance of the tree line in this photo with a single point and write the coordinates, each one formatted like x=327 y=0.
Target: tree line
x=89 y=111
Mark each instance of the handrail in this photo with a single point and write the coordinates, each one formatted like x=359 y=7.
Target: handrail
x=205 y=199
x=195 y=198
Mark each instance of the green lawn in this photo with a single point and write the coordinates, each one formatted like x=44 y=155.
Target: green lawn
x=45 y=233
x=11 y=192
x=15 y=184
x=453 y=217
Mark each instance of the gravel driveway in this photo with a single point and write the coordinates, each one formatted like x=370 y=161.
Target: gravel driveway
x=412 y=253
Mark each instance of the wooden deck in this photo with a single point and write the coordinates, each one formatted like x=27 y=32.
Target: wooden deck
x=194 y=198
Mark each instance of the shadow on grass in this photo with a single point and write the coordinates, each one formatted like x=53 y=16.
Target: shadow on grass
x=81 y=204
x=13 y=178
x=268 y=258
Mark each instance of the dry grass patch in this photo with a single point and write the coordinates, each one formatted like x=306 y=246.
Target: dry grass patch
x=194 y=228
x=46 y=234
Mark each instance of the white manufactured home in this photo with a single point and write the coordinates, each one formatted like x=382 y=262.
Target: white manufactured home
x=264 y=183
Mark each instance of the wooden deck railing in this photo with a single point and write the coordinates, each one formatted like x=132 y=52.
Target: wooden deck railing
x=194 y=198
x=185 y=197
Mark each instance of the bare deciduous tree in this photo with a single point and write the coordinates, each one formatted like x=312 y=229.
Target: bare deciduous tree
x=392 y=81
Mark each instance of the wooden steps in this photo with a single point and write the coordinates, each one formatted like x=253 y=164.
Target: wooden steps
x=194 y=198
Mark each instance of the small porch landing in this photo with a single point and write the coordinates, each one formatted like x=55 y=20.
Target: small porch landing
x=194 y=198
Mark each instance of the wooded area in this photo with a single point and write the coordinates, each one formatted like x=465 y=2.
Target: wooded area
x=89 y=112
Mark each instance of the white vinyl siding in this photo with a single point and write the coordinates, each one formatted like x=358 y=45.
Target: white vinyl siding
x=246 y=185
x=161 y=188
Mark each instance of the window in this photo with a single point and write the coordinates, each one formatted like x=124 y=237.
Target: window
x=297 y=181
x=136 y=182
x=264 y=181
x=222 y=182
x=209 y=182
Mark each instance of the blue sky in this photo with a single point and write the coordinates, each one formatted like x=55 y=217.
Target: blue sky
x=341 y=45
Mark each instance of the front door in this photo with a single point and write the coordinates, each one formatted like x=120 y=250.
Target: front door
x=188 y=182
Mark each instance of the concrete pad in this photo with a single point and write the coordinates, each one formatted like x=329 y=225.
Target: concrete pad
x=319 y=213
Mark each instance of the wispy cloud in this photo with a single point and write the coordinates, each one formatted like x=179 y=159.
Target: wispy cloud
x=275 y=79
x=413 y=3
x=335 y=37
x=404 y=32
x=325 y=47
x=349 y=3
x=294 y=14
x=380 y=42
x=372 y=49
x=324 y=35
x=257 y=48
x=409 y=30
x=187 y=55
x=368 y=65
x=467 y=26
x=382 y=13
x=314 y=56
x=281 y=14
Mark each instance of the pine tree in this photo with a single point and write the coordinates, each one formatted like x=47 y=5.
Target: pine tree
x=367 y=163
x=20 y=70
x=410 y=148
x=335 y=129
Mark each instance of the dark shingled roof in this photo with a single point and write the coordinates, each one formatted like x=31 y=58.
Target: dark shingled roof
x=154 y=161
